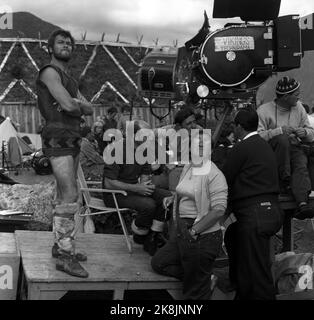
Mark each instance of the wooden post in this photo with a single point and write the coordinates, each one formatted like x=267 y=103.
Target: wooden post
x=287 y=232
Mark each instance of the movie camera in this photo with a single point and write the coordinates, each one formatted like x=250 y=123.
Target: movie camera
x=230 y=63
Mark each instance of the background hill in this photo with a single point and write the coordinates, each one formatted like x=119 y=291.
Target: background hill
x=27 y=25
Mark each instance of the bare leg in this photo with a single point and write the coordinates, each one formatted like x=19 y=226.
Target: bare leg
x=64 y=170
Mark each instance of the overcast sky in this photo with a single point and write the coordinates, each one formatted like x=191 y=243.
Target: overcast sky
x=166 y=20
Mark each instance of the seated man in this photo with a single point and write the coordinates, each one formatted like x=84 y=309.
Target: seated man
x=284 y=123
x=143 y=196
x=92 y=163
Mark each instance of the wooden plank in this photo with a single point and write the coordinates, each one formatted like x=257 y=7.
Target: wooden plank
x=302 y=295
x=51 y=295
x=33 y=120
x=33 y=291
x=9 y=264
x=107 y=259
x=16 y=114
x=7 y=244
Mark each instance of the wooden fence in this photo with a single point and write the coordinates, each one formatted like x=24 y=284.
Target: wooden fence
x=29 y=119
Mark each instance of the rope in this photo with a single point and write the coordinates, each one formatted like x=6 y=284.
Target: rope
x=29 y=56
x=131 y=58
x=7 y=56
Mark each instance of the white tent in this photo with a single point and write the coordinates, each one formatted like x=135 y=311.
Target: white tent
x=15 y=146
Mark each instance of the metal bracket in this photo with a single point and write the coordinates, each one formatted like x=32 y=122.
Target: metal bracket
x=203 y=60
x=269 y=34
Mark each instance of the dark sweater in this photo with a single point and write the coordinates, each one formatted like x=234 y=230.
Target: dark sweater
x=251 y=172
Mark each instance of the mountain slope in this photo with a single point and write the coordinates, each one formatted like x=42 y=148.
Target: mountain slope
x=27 y=25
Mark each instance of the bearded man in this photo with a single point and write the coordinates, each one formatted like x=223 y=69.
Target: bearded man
x=62 y=105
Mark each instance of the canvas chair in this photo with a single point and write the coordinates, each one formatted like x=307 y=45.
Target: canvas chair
x=98 y=204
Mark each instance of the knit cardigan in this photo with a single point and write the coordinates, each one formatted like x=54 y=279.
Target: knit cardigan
x=210 y=190
x=272 y=117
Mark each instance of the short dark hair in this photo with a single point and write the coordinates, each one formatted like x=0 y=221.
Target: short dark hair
x=183 y=114
x=247 y=119
x=112 y=110
x=61 y=32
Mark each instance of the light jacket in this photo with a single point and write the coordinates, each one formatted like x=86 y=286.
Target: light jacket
x=210 y=190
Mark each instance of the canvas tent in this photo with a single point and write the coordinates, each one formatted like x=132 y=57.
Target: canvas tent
x=13 y=147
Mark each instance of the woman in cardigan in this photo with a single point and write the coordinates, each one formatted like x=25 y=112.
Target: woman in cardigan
x=196 y=238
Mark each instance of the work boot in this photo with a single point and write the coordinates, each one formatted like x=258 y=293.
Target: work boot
x=304 y=211
x=69 y=264
x=154 y=241
x=139 y=239
x=139 y=234
x=79 y=256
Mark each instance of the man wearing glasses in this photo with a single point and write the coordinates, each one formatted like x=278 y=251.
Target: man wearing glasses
x=283 y=122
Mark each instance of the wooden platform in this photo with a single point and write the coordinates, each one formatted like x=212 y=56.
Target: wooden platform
x=110 y=267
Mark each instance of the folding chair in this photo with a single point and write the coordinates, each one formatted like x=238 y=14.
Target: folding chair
x=99 y=205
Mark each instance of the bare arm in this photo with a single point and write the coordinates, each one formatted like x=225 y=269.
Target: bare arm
x=209 y=220
x=52 y=80
x=87 y=108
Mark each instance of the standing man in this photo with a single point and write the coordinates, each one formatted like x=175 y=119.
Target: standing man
x=285 y=125
x=251 y=175
x=62 y=106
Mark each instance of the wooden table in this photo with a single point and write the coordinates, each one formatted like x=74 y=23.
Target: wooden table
x=110 y=267
x=13 y=222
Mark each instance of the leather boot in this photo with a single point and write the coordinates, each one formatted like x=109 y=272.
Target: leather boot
x=139 y=234
x=138 y=238
x=69 y=264
x=56 y=254
x=154 y=241
x=304 y=211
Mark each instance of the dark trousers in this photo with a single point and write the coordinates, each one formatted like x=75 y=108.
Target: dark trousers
x=189 y=260
x=248 y=246
x=148 y=208
x=292 y=163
